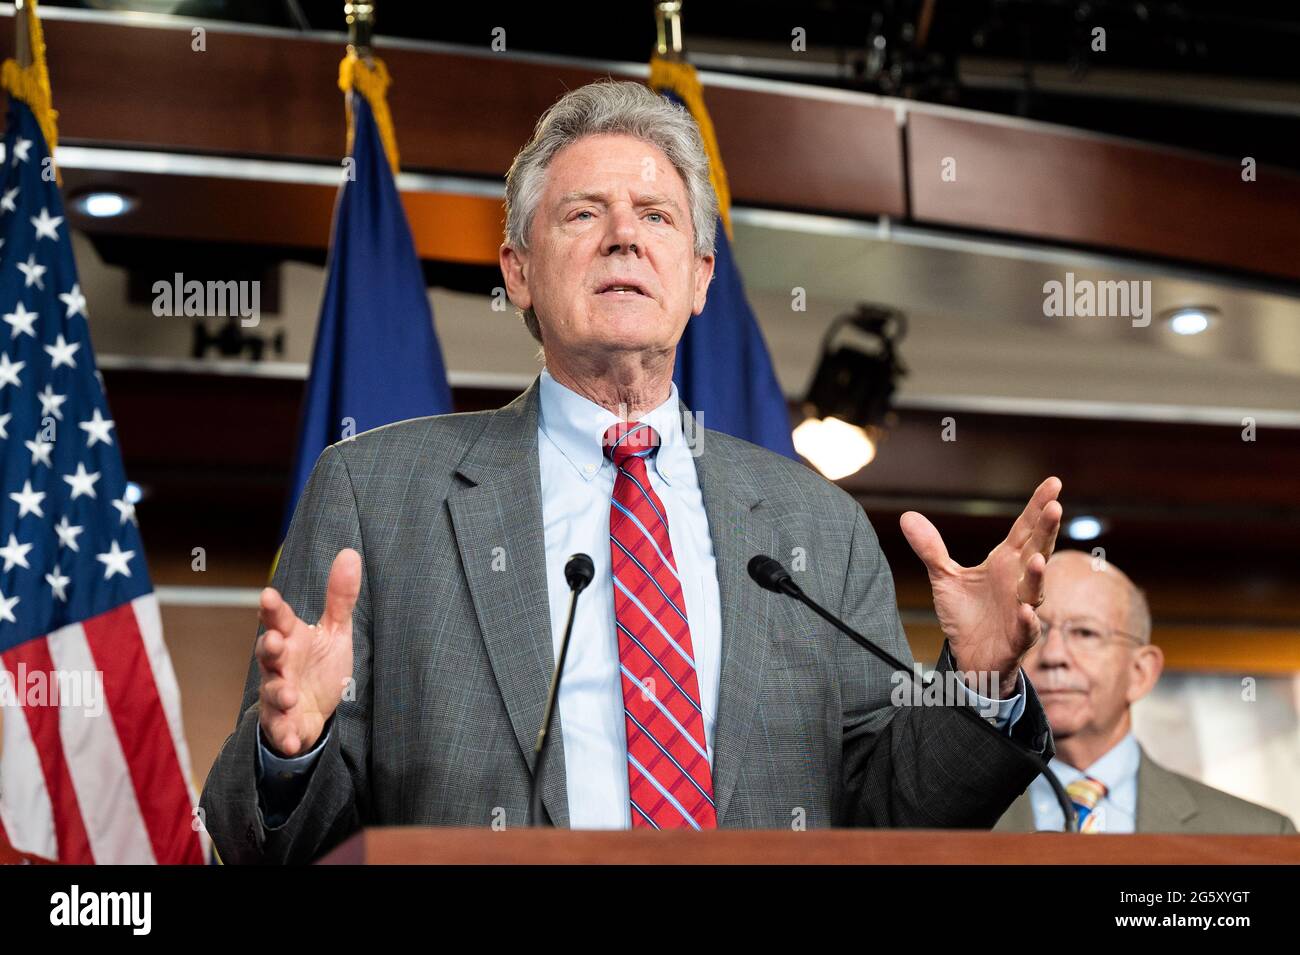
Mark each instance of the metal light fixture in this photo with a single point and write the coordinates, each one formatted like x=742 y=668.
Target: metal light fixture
x=849 y=400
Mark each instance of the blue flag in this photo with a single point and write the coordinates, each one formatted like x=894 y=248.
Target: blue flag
x=723 y=369
x=376 y=358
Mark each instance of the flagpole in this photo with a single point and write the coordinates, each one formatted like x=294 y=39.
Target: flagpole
x=360 y=15
x=22 y=39
x=26 y=77
x=668 y=26
x=362 y=72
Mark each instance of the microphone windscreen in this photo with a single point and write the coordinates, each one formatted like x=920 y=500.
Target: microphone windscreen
x=768 y=572
x=578 y=571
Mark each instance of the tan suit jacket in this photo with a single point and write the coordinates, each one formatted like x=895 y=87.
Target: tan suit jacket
x=1171 y=802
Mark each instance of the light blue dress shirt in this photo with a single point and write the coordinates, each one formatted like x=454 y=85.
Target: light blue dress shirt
x=577 y=483
x=1117 y=770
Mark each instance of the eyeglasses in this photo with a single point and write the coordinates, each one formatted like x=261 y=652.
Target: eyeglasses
x=1085 y=637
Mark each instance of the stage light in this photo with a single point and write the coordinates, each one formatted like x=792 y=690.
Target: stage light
x=848 y=403
x=836 y=448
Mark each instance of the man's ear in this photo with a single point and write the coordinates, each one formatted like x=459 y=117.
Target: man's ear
x=1144 y=670
x=514 y=269
x=703 y=276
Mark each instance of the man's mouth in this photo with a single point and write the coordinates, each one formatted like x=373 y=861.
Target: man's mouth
x=622 y=288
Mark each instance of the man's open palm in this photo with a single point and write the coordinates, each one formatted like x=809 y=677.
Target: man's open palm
x=987 y=612
x=305 y=668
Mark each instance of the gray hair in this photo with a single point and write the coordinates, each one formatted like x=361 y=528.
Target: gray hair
x=610 y=106
x=1139 y=613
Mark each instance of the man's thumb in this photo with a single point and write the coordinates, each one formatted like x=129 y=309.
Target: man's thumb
x=924 y=539
x=343 y=587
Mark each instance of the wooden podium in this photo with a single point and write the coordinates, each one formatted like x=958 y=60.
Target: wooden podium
x=416 y=845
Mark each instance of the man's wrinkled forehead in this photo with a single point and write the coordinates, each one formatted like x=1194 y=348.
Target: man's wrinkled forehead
x=605 y=164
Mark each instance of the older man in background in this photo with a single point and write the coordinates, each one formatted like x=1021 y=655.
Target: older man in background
x=1094 y=661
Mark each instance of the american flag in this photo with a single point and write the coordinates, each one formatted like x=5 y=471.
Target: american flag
x=94 y=766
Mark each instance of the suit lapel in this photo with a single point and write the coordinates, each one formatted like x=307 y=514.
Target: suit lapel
x=738 y=530
x=496 y=513
x=1164 y=804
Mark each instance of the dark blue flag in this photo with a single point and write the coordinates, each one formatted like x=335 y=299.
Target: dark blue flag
x=723 y=368
x=376 y=358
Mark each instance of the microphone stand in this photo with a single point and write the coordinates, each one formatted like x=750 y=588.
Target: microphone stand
x=578 y=571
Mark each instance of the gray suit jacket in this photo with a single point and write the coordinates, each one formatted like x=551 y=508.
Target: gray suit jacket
x=1170 y=802
x=452 y=657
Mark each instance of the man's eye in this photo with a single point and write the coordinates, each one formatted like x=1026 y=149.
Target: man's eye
x=1086 y=634
x=659 y=215
x=584 y=212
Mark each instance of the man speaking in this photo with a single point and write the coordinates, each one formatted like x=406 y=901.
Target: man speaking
x=407 y=644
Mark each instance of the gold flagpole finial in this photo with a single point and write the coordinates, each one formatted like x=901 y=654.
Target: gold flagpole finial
x=668 y=24
x=360 y=15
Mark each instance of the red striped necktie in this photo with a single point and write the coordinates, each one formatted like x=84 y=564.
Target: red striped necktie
x=670 y=783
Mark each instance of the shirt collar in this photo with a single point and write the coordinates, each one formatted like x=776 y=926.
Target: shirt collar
x=1116 y=765
x=576 y=425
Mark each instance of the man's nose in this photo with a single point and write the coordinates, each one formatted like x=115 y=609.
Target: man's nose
x=622 y=232
x=1051 y=649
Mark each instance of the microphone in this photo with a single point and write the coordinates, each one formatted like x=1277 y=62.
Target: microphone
x=769 y=574
x=578 y=571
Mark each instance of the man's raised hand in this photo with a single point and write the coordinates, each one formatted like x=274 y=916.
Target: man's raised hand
x=305 y=667
x=987 y=612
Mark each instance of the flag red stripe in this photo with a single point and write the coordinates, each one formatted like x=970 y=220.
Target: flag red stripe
x=132 y=698
x=43 y=723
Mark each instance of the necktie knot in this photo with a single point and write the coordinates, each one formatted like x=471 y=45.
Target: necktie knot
x=1086 y=792
x=628 y=439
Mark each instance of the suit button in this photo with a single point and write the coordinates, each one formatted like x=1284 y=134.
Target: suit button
x=252 y=836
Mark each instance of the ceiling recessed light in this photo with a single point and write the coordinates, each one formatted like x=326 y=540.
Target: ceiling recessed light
x=104 y=204
x=1085 y=528
x=1191 y=320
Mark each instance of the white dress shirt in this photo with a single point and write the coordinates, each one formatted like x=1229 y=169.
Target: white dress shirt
x=1117 y=770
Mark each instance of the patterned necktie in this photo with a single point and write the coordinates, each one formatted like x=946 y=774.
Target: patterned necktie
x=670 y=783
x=1085 y=792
